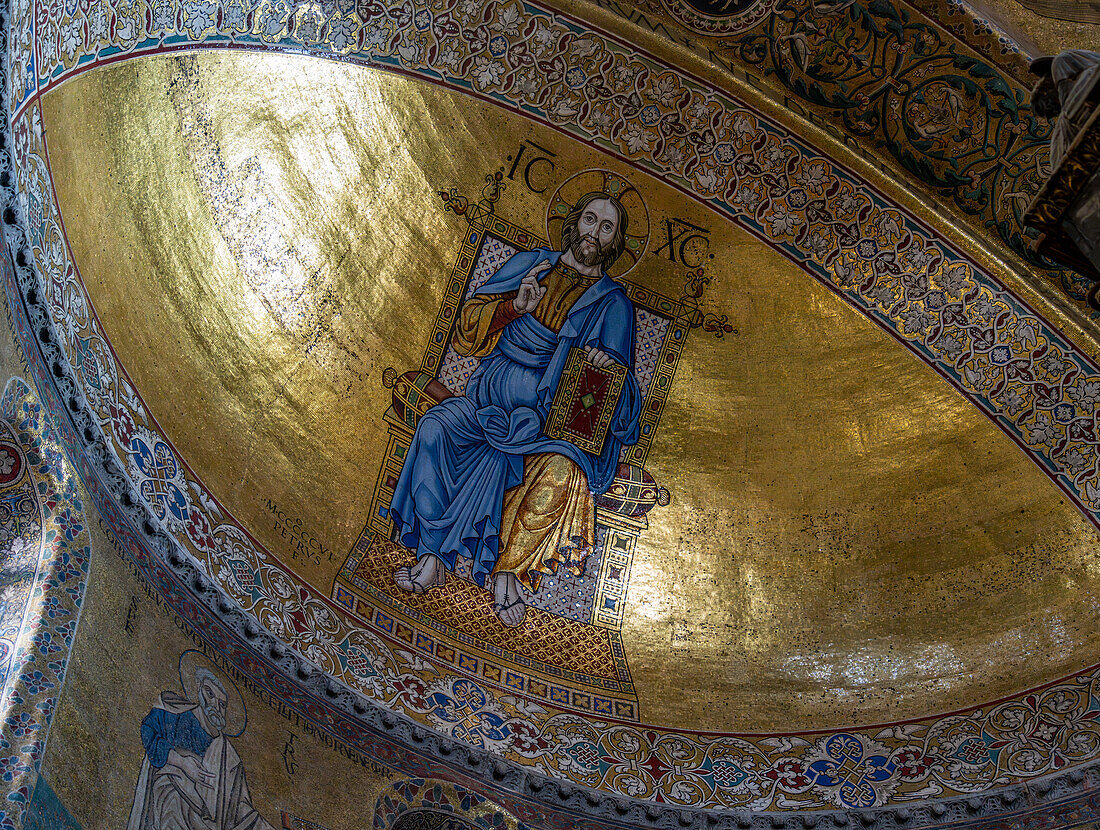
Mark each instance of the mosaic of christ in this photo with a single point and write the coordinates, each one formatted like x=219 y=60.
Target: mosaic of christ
x=482 y=479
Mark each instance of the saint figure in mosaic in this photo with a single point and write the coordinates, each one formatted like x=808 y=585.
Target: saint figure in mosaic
x=482 y=478
x=191 y=777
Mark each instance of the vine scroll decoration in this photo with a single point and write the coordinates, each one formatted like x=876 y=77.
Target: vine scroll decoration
x=900 y=84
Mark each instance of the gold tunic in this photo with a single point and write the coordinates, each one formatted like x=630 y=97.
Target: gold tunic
x=564 y=286
x=549 y=519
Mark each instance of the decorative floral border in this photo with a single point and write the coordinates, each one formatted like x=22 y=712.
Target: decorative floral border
x=977 y=335
x=60 y=537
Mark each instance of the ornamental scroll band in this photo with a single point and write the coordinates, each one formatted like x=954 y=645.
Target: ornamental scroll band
x=553 y=489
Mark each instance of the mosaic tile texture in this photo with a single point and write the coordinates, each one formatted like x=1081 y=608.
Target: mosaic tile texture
x=948 y=312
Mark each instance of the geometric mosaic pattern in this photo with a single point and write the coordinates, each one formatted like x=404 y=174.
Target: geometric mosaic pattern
x=455 y=370
x=44 y=559
x=577 y=647
x=563 y=593
x=945 y=309
x=649 y=332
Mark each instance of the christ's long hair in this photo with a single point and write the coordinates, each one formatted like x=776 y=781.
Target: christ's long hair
x=570 y=235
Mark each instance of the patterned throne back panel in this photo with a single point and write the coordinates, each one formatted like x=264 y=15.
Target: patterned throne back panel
x=455 y=371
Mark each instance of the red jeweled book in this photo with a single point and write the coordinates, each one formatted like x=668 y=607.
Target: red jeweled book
x=585 y=402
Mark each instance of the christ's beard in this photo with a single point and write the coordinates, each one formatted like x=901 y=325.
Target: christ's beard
x=587 y=251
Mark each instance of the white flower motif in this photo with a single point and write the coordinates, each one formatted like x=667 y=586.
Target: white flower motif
x=1044 y=431
x=952 y=346
x=341 y=34
x=819 y=244
x=544 y=36
x=986 y=309
x=97 y=24
x=507 y=21
x=846 y=203
x=636 y=139
x=1014 y=401
x=528 y=83
x=376 y=37
x=916 y=319
x=1076 y=460
x=601 y=120
x=812 y=177
x=673 y=154
x=487 y=72
x=747 y=198
x=308 y=29
x=666 y=90
x=71 y=38
x=782 y=222
x=776 y=155
x=448 y=55
x=469 y=9
x=953 y=279
x=8 y=597
x=164 y=15
x=236 y=18
x=1086 y=393
x=622 y=76
x=1054 y=365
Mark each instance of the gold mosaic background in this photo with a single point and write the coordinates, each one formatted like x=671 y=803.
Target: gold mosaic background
x=848 y=541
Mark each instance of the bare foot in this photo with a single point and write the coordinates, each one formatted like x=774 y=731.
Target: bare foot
x=429 y=572
x=508 y=602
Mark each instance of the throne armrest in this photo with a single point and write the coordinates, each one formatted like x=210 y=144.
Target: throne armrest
x=633 y=493
x=414 y=393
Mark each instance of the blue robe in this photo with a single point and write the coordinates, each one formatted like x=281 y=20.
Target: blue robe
x=163 y=731
x=469 y=449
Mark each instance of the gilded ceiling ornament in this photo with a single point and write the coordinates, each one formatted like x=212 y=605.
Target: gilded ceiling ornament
x=950 y=313
x=45 y=550
x=719 y=17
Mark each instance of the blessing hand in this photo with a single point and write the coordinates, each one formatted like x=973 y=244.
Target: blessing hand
x=530 y=292
x=599 y=359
